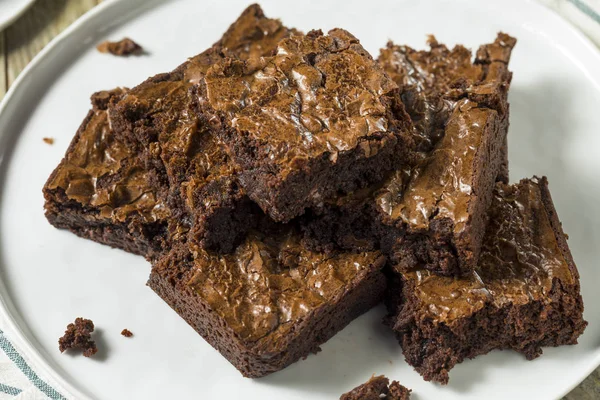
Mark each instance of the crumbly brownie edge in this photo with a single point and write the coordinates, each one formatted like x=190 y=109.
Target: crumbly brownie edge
x=503 y=174
x=141 y=239
x=168 y=279
x=319 y=179
x=434 y=349
x=224 y=226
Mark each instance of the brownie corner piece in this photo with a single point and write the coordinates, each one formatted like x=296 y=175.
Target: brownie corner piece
x=101 y=190
x=316 y=118
x=523 y=295
x=292 y=303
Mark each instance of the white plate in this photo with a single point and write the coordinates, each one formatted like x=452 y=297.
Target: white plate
x=51 y=276
x=10 y=10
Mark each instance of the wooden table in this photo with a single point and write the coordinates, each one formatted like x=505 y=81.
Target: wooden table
x=21 y=41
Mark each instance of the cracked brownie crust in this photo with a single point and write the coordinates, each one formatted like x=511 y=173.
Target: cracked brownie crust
x=315 y=118
x=102 y=191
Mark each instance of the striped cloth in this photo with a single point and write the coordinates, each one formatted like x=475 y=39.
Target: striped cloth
x=584 y=14
x=18 y=378
x=21 y=380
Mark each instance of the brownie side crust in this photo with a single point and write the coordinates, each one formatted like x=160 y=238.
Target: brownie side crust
x=271 y=302
x=376 y=388
x=523 y=295
x=161 y=119
x=315 y=118
x=101 y=191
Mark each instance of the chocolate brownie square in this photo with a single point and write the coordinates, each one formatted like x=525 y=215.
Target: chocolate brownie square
x=433 y=215
x=101 y=191
x=318 y=117
x=271 y=301
x=523 y=295
x=376 y=388
x=160 y=119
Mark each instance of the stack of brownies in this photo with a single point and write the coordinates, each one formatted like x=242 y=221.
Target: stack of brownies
x=282 y=184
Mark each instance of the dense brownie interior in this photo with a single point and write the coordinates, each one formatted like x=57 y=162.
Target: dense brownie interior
x=523 y=295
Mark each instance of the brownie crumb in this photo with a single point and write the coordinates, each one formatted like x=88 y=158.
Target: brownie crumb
x=48 y=140
x=378 y=387
x=123 y=47
x=78 y=336
x=126 y=333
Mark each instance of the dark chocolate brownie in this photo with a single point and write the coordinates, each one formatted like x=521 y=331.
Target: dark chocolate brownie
x=160 y=119
x=78 y=336
x=316 y=118
x=123 y=47
x=271 y=301
x=101 y=191
x=434 y=214
x=523 y=295
x=376 y=388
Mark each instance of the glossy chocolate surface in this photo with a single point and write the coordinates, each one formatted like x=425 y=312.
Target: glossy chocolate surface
x=318 y=95
x=520 y=258
x=191 y=155
x=101 y=172
x=453 y=101
x=428 y=78
x=271 y=281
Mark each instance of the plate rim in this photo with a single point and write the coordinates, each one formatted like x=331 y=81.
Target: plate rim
x=14 y=320
x=7 y=307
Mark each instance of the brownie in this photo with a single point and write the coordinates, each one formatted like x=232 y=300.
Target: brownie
x=318 y=117
x=433 y=215
x=376 y=388
x=123 y=47
x=271 y=301
x=102 y=191
x=523 y=295
x=160 y=119
x=78 y=336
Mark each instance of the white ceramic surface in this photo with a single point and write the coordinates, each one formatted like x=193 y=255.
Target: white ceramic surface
x=50 y=277
x=10 y=10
